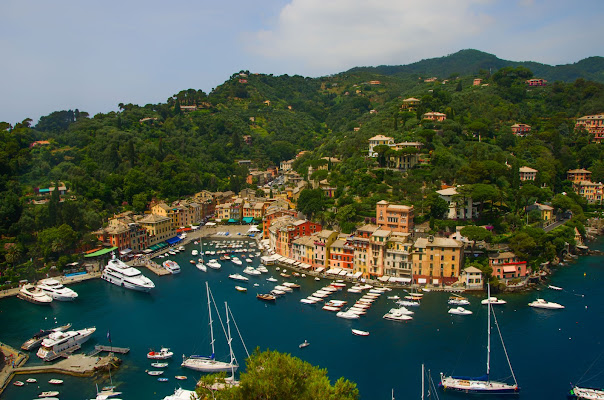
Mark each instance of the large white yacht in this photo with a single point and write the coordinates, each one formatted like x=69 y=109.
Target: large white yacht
x=121 y=274
x=34 y=295
x=56 y=290
x=57 y=342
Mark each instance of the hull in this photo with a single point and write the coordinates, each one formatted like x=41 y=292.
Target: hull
x=51 y=350
x=580 y=393
x=125 y=284
x=474 y=386
x=207 y=365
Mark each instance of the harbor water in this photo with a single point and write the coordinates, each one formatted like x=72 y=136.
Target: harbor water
x=548 y=349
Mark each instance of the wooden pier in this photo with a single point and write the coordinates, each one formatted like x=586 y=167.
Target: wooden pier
x=156 y=268
x=111 y=349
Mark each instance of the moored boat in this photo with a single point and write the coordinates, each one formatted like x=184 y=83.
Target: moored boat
x=59 y=342
x=459 y=311
x=304 y=344
x=171 y=266
x=579 y=393
x=358 y=332
x=163 y=354
x=240 y=289
x=266 y=297
x=238 y=277
x=56 y=290
x=347 y=315
x=34 y=295
x=55 y=381
x=49 y=393
x=540 y=303
x=493 y=301
x=155 y=372
x=159 y=365
x=37 y=339
x=121 y=274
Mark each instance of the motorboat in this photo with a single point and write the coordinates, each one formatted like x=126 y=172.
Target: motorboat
x=18 y=383
x=49 y=393
x=391 y=297
x=238 y=277
x=182 y=394
x=235 y=260
x=337 y=303
x=159 y=365
x=195 y=252
x=401 y=310
x=331 y=308
x=458 y=301
x=34 y=295
x=459 y=311
x=277 y=292
x=181 y=377
x=201 y=266
x=291 y=285
x=31 y=380
x=262 y=269
x=304 y=344
x=55 y=381
x=408 y=303
x=251 y=271
x=56 y=290
x=171 y=266
x=554 y=287
x=359 y=332
x=214 y=264
x=493 y=300
x=313 y=298
x=58 y=342
x=540 y=303
x=162 y=379
x=284 y=288
x=240 y=289
x=396 y=316
x=271 y=279
x=37 y=339
x=162 y=354
x=308 y=301
x=155 y=373
x=347 y=315
x=283 y=274
x=266 y=297
x=121 y=274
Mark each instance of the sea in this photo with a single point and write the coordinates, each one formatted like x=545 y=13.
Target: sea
x=548 y=350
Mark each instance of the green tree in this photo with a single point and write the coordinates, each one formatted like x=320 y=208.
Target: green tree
x=271 y=375
x=475 y=233
x=438 y=206
x=311 y=202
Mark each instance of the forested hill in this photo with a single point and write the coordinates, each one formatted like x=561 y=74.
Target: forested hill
x=469 y=62
x=121 y=160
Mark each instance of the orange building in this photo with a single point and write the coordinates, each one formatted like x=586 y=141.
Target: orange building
x=578 y=175
x=397 y=218
x=434 y=116
x=520 y=129
x=507 y=266
x=593 y=124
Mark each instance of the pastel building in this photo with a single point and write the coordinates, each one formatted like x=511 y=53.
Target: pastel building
x=321 y=247
x=436 y=260
x=578 y=175
x=379 y=140
x=593 y=124
x=435 y=116
x=394 y=217
x=521 y=129
x=527 y=173
x=458 y=209
x=507 y=266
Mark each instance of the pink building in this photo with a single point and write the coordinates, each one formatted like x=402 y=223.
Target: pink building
x=507 y=266
x=434 y=116
x=521 y=129
x=536 y=82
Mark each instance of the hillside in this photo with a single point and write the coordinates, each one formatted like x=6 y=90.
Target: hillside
x=470 y=62
x=122 y=160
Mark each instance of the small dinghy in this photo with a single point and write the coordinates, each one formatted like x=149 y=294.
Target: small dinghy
x=359 y=332
x=303 y=345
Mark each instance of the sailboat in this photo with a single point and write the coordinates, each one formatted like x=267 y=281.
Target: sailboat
x=200 y=264
x=483 y=384
x=209 y=364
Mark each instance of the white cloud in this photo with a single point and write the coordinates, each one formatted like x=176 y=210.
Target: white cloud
x=337 y=34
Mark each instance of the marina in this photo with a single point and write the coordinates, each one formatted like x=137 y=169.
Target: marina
x=570 y=337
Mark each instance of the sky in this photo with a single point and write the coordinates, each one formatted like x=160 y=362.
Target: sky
x=93 y=55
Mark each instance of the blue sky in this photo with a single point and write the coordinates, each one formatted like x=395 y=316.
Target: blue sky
x=93 y=55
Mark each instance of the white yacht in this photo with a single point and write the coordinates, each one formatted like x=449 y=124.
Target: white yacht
x=493 y=301
x=347 y=315
x=171 y=266
x=540 y=303
x=238 y=277
x=459 y=311
x=34 y=295
x=121 y=274
x=236 y=261
x=397 y=316
x=214 y=264
x=182 y=394
x=56 y=290
x=251 y=271
x=57 y=342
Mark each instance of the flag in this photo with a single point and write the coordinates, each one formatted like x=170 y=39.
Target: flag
x=109 y=335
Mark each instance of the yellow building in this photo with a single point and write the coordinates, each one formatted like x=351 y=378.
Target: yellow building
x=158 y=227
x=436 y=260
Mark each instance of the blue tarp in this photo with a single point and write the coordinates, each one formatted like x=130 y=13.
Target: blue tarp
x=248 y=220
x=173 y=240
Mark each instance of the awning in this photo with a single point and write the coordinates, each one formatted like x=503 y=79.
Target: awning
x=421 y=280
x=356 y=275
x=248 y=220
x=253 y=229
x=509 y=268
x=173 y=240
x=232 y=221
x=383 y=278
x=320 y=269
x=100 y=252
x=179 y=230
x=396 y=279
x=435 y=281
x=125 y=251
x=147 y=251
x=343 y=272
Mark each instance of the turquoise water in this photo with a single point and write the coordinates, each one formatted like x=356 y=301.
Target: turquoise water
x=548 y=349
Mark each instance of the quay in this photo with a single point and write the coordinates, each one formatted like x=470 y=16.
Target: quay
x=110 y=349
x=12 y=359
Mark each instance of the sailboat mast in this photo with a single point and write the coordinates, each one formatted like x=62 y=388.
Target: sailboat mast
x=229 y=339
x=488 y=330
x=210 y=315
x=423 y=375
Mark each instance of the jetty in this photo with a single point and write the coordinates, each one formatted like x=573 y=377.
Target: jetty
x=110 y=349
x=156 y=268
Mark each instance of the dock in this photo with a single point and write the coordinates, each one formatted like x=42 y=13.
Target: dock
x=110 y=349
x=156 y=268
x=74 y=365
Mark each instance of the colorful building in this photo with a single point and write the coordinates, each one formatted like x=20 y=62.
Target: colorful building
x=436 y=260
x=527 y=174
x=521 y=129
x=593 y=124
x=507 y=266
x=397 y=218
